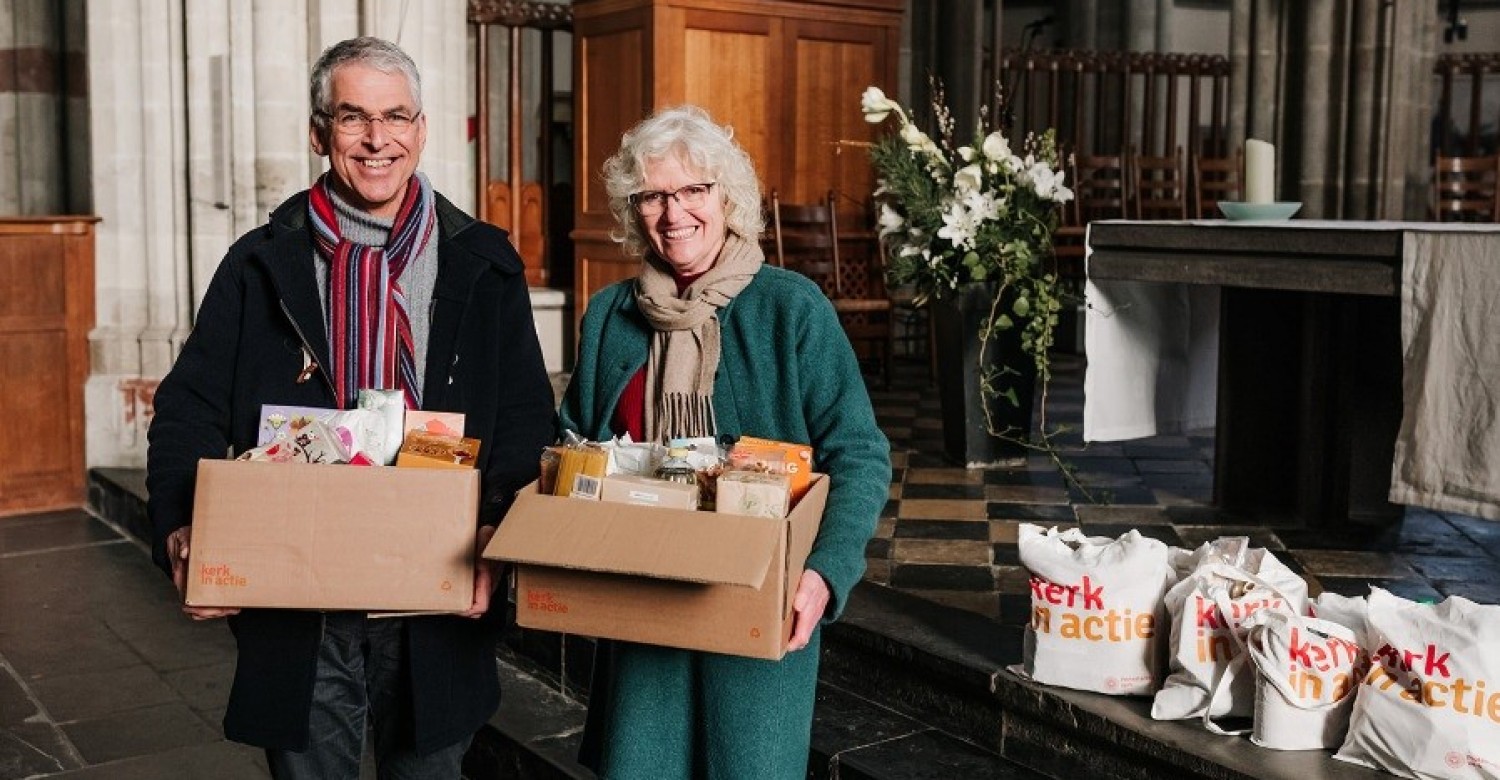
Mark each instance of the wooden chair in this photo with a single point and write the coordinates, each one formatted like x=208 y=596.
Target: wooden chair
x=1158 y=187
x=1214 y=179
x=1466 y=189
x=1099 y=187
x=1098 y=183
x=806 y=240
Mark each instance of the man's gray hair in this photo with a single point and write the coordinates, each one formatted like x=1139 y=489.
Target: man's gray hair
x=377 y=53
x=689 y=134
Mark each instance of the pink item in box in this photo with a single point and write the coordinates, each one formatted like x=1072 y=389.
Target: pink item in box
x=436 y=423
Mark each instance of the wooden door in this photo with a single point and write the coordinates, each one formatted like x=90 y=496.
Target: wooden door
x=786 y=76
x=46 y=311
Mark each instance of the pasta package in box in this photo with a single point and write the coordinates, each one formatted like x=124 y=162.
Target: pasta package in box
x=332 y=537
x=671 y=577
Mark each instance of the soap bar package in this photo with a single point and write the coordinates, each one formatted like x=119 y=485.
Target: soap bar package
x=753 y=493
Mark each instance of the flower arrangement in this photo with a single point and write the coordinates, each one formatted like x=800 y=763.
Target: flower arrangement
x=983 y=212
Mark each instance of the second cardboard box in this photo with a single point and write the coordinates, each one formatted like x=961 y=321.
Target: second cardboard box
x=672 y=577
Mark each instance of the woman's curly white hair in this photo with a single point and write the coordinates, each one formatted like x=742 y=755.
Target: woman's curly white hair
x=689 y=134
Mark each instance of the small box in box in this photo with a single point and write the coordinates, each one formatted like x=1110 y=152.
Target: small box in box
x=333 y=537
x=428 y=451
x=754 y=493
x=672 y=577
x=646 y=491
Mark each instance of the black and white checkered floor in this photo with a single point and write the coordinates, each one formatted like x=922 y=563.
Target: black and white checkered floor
x=949 y=533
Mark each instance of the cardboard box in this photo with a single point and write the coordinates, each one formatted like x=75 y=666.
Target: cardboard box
x=690 y=579
x=333 y=537
x=646 y=491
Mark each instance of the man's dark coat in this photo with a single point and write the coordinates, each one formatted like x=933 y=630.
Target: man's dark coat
x=259 y=318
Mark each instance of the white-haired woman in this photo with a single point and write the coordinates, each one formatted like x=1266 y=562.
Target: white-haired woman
x=708 y=340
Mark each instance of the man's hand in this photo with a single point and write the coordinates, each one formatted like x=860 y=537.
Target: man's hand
x=484 y=574
x=807 y=608
x=178 y=544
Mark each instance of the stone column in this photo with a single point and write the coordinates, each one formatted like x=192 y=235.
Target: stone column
x=435 y=34
x=32 y=90
x=1406 y=164
x=1307 y=170
x=200 y=121
x=135 y=71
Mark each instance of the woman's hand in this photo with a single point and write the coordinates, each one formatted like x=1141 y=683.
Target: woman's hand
x=807 y=608
x=179 y=544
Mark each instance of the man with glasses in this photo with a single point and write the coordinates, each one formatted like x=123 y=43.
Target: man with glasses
x=370 y=279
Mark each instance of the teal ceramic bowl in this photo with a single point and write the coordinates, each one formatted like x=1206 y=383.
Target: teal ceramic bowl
x=1258 y=212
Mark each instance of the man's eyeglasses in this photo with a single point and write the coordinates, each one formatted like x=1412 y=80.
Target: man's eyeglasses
x=653 y=202
x=357 y=122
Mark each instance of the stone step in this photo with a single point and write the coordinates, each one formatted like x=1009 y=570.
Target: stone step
x=534 y=735
x=537 y=730
x=854 y=738
x=946 y=668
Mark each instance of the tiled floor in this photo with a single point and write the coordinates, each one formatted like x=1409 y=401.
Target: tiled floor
x=949 y=533
x=100 y=675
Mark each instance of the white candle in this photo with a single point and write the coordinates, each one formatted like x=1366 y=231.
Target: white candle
x=1260 y=171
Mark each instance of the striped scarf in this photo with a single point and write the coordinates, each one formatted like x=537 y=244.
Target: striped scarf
x=369 y=331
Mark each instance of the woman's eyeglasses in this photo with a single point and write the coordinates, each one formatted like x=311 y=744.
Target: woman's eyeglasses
x=653 y=202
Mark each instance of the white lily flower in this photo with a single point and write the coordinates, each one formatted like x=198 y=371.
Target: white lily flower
x=968 y=179
x=959 y=226
x=1044 y=180
x=995 y=146
x=876 y=106
x=914 y=137
x=983 y=206
x=967 y=153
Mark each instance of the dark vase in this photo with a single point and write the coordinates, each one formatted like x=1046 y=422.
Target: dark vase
x=966 y=438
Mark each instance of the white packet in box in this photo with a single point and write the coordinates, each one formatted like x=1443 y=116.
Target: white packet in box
x=391 y=406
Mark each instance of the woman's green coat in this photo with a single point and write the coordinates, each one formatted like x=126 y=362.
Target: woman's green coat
x=786 y=372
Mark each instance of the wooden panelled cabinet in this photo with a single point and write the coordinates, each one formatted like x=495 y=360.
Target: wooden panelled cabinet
x=46 y=311
x=787 y=76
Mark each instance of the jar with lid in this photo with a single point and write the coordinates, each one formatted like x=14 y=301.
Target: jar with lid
x=675 y=466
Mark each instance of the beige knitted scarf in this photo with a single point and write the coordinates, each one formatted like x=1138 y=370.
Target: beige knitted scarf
x=684 y=352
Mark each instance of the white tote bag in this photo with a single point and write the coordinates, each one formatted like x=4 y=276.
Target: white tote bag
x=1351 y=612
x=1430 y=705
x=1096 y=610
x=1206 y=648
x=1306 y=673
